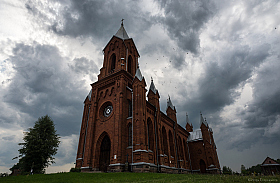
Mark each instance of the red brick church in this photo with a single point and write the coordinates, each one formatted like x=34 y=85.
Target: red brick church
x=122 y=131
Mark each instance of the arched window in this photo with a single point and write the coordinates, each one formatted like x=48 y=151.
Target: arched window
x=171 y=144
x=185 y=150
x=129 y=134
x=129 y=64
x=164 y=141
x=179 y=145
x=129 y=108
x=113 y=62
x=150 y=135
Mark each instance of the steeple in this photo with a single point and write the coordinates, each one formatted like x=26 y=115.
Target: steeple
x=169 y=103
x=202 y=121
x=122 y=33
x=189 y=126
x=152 y=87
x=170 y=110
x=153 y=95
x=120 y=53
x=187 y=119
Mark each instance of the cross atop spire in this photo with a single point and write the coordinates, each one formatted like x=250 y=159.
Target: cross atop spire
x=122 y=22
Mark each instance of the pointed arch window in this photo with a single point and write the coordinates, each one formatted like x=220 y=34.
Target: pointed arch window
x=113 y=62
x=171 y=144
x=129 y=108
x=129 y=134
x=150 y=135
x=129 y=64
x=164 y=141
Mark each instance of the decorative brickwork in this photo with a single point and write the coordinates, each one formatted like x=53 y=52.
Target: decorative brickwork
x=122 y=131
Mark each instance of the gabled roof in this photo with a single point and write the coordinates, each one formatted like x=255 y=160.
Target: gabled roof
x=268 y=162
x=152 y=87
x=195 y=136
x=169 y=103
x=122 y=33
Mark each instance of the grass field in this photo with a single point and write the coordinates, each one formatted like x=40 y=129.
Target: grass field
x=134 y=177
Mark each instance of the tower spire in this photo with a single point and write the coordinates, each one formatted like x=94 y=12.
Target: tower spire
x=121 y=32
x=202 y=120
x=152 y=86
x=169 y=103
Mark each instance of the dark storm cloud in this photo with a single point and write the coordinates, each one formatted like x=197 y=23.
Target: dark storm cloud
x=83 y=18
x=84 y=66
x=42 y=85
x=264 y=110
x=184 y=20
x=217 y=87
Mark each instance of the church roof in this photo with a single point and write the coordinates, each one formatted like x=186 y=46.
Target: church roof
x=122 y=33
x=138 y=74
x=153 y=88
x=169 y=103
x=195 y=136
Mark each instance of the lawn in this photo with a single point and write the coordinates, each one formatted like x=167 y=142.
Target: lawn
x=134 y=177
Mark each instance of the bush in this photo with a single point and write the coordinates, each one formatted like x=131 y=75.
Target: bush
x=75 y=170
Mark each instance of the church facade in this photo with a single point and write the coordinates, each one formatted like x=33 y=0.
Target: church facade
x=123 y=131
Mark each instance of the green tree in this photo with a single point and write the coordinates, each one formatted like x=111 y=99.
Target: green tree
x=227 y=170
x=39 y=147
x=255 y=169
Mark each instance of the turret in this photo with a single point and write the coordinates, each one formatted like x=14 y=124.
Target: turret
x=153 y=95
x=170 y=110
x=189 y=126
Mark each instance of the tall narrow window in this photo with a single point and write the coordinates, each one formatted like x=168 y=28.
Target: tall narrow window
x=113 y=62
x=129 y=134
x=129 y=108
x=179 y=145
x=129 y=64
x=150 y=135
x=171 y=144
x=164 y=141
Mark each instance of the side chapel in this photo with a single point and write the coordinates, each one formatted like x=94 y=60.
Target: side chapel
x=122 y=131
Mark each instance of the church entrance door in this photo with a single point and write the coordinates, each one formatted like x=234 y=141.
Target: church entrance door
x=202 y=166
x=104 y=159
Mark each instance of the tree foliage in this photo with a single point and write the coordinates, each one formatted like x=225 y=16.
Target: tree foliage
x=40 y=145
x=227 y=170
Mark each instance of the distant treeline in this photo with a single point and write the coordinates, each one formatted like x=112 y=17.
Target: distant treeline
x=246 y=171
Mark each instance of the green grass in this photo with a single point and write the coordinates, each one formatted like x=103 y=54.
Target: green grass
x=134 y=177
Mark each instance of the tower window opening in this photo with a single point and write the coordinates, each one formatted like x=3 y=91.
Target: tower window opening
x=129 y=108
x=129 y=64
x=113 y=62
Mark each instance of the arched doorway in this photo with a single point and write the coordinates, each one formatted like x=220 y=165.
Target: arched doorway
x=202 y=166
x=104 y=159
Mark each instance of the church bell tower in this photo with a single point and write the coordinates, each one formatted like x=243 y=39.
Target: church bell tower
x=105 y=143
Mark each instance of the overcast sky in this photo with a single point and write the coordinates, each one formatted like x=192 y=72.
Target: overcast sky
x=218 y=57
